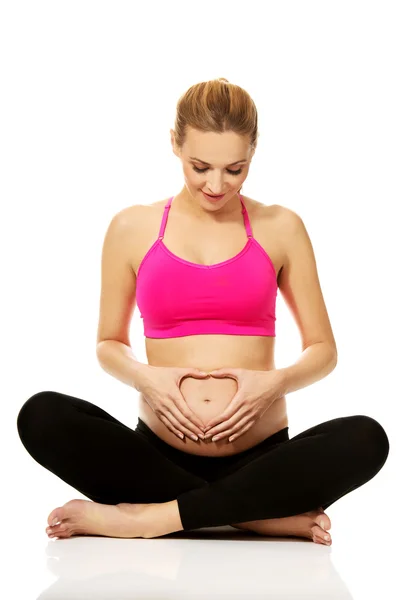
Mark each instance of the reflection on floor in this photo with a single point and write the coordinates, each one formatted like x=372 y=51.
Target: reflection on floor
x=207 y=563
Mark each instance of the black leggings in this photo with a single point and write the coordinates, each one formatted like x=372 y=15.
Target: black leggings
x=110 y=463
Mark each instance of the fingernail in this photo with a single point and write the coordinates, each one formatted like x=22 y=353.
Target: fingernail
x=194 y=438
x=54 y=522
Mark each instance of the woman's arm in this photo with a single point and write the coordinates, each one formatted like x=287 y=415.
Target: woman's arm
x=300 y=288
x=118 y=360
x=315 y=363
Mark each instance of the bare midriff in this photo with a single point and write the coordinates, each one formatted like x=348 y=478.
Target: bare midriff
x=208 y=398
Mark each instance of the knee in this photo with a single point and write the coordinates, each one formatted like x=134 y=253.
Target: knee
x=34 y=416
x=371 y=437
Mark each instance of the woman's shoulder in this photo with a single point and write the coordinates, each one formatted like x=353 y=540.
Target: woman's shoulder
x=285 y=214
x=135 y=213
x=274 y=219
x=276 y=213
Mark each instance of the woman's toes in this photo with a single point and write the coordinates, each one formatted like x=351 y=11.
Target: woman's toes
x=61 y=528
x=321 y=534
x=60 y=532
x=56 y=516
x=323 y=521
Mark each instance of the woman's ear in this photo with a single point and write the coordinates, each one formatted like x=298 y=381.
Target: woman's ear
x=174 y=149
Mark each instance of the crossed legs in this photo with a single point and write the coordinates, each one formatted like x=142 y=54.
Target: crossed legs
x=94 y=452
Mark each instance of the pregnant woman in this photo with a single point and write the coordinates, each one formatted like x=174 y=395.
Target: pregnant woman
x=211 y=446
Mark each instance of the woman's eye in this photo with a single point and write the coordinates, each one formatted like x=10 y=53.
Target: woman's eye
x=206 y=169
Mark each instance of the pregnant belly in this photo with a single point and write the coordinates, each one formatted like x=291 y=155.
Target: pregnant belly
x=208 y=398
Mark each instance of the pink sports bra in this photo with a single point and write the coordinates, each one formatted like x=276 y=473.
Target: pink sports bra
x=178 y=298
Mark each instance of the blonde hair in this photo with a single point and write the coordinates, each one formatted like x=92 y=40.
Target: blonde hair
x=216 y=106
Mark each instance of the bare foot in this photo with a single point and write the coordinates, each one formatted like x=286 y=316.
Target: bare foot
x=312 y=525
x=86 y=517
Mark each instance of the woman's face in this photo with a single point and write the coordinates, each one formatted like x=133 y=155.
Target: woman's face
x=214 y=163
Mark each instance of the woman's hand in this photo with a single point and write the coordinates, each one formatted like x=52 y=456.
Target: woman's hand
x=257 y=391
x=160 y=388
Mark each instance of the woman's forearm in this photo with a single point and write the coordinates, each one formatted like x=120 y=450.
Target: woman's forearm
x=118 y=360
x=315 y=363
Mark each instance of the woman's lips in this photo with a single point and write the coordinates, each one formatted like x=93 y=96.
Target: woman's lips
x=213 y=197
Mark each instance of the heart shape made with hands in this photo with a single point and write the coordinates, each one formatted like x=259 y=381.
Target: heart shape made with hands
x=256 y=393
x=197 y=387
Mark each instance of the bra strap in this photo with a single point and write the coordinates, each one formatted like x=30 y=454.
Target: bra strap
x=165 y=218
x=246 y=218
x=168 y=206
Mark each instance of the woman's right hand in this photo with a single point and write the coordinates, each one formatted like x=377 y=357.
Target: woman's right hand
x=160 y=388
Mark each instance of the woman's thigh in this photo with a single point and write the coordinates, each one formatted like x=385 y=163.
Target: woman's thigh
x=359 y=439
x=342 y=453
x=96 y=454
x=312 y=469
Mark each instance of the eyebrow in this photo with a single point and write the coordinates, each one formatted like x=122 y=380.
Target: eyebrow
x=206 y=163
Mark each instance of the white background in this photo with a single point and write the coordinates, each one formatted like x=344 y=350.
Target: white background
x=88 y=97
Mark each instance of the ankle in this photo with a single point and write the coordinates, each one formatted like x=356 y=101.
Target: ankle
x=161 y=519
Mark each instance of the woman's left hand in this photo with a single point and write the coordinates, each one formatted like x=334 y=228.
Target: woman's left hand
x=257 y=391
